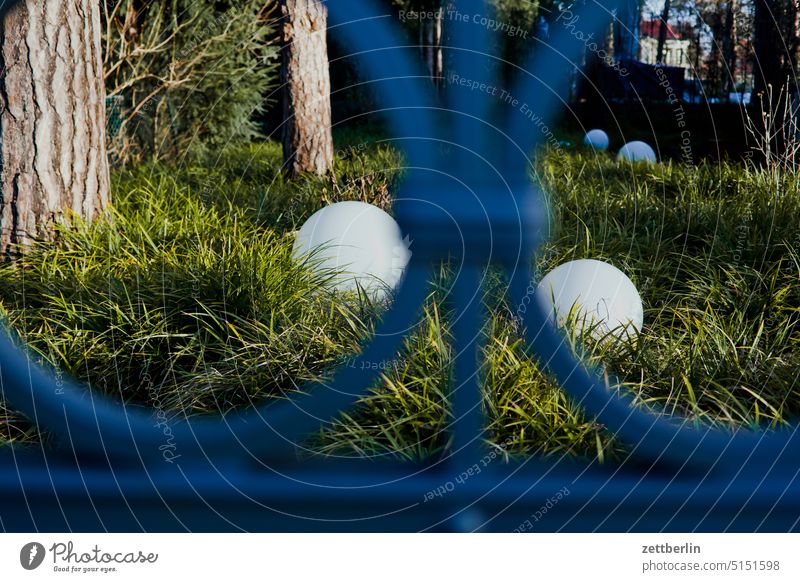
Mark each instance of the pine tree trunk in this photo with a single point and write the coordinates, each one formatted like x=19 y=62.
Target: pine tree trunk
x=52 y=119
x=305 y=75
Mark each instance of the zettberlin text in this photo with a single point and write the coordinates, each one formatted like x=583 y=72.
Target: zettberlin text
x=670 y=549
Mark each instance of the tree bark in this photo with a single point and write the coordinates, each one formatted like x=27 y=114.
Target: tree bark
x=305 y=75
x=52 y=119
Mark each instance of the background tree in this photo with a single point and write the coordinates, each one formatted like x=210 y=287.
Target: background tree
x=428 y=29
x=715 y=64
x=52 y=119
x=431 y=33
x=305 y=78
x=662 y=32
x=626 y=30
x=728 y=47
x=775 y=43
x=722 y=60
x=186 y=75
x=513 y=48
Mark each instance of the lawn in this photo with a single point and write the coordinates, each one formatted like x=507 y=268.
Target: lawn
x=187 y=298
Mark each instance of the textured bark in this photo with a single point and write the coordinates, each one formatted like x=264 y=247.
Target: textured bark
x=305 y=75
x=52 y=119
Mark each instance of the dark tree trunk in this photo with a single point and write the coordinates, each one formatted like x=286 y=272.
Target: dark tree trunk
x=729 y=51
x=774 y=43
x=662 y=32
x=626 y=30
x=715 y=75
x=695 y=49
x=430 y=36
x=438 y=57
x=52 y=119
x=305 y=75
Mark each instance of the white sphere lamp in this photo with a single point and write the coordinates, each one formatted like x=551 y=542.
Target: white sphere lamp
x=361 y=243
x=597 y=294
x=596 y=139
x=637 y=151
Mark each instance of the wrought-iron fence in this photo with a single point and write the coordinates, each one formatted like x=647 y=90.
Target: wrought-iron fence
x=467 y=196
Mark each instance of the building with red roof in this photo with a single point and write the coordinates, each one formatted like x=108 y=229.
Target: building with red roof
x=676 y=48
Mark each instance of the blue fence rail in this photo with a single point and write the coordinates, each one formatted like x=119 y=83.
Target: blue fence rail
x=467 y=196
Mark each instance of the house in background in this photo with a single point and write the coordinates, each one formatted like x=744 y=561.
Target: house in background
x=676 y=49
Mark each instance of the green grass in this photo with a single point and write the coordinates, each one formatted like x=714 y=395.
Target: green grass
x=714 y=253
x=187 y=297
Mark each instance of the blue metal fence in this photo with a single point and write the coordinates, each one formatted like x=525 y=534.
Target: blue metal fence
x=467 y=196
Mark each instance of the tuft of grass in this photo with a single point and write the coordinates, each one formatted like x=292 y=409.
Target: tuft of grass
x=713 y=251
x=186 y=297
x=171 y=297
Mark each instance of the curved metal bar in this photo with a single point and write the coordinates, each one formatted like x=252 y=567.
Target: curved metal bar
x=90 y=422
x=653 y=437
x=98 y=424
x=470 y=43
x=93 y=423
x=406 y=94
x=543 y=83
